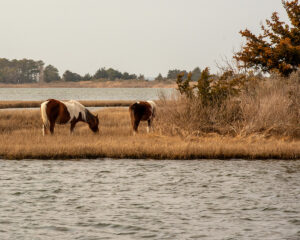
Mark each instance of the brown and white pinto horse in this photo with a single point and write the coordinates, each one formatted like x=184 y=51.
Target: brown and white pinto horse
x=142 y=111
x=54 y=111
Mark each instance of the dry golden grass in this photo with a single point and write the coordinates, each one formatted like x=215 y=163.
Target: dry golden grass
x=21 y=138
x=97 y=84
x=87 y=103
x=269 y=107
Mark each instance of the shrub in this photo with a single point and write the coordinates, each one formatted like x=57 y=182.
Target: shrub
x=278 y=47
x=211 y=89
x=235 y=105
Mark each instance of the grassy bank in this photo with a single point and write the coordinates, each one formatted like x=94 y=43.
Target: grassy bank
x=93 y=103
x=21 y=138
x=97 y=84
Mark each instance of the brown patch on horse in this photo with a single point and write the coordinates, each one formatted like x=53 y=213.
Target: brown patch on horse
x=57 y=112
x=140 y=111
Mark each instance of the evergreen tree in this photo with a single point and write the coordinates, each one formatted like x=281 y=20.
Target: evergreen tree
x=69 y=76
x=100 y=73
x=159 y=77
x=113 y=74
x=19 y=71
x=86 y=77
x=172 y=74
x=51 y=74
x=141 y=77
x=196 y=73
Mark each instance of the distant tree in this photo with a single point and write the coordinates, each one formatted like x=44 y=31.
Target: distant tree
x=69 y=76
x=19 y=71
x=196 y=73
x=28 y=70
x=9 y=75
x=125 y=75
x=172 y=74
x=86 y=77
x=159 y=77
x=100 y=73
x=132 y=76
x=113 y=74
x=141 y=77
x=278 y=47
x=51 y=74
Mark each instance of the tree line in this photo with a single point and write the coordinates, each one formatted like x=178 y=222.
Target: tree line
x=20 y=71
x=30 y=71
x=173 y=74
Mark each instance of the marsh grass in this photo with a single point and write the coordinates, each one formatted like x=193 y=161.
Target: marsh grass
x=21 y=138
x=99 y=83
x=87 y=103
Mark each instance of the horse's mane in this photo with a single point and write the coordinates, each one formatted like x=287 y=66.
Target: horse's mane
x=88 y=115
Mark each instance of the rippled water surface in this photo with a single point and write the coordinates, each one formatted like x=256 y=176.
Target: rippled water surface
x=146 y=199
x=31 y=94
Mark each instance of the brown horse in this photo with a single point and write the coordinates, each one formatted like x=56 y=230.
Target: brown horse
x=142 y=111
x=54 y=111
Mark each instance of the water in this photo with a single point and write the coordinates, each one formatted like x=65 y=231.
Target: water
x=146 y=199
x=30 y=94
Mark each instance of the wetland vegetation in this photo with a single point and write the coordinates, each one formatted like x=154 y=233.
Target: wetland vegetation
x=21 y=138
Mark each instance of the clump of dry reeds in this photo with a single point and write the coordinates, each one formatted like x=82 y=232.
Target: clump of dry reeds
x=272 y=107
x=268 y=107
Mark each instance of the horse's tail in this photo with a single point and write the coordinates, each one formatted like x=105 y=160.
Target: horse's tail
x=153 y=108
x=44 y=114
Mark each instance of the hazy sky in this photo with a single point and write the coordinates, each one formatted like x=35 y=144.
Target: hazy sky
x=138 y=36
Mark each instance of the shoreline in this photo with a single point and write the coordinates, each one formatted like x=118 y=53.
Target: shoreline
x=132 y=155
x=87 y=103
x=104 y=156
x=96 y=84
x=21 y=138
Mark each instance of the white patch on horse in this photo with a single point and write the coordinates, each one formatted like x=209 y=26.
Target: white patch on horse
x=44 y=116
x=74 y=108
x=153 y=106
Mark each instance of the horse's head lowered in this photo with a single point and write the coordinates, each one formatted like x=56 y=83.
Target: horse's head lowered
x=93 y=122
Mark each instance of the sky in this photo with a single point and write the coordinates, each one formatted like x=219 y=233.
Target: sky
x=137 y=36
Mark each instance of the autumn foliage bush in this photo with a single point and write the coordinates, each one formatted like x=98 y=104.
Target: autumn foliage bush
x=277 y=48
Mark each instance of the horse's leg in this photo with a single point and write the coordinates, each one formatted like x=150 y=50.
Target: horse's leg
x=132 y=118
x=72 y=127
x=52 y=124
x=149 y=125
x=136 y=125
x=44 y=130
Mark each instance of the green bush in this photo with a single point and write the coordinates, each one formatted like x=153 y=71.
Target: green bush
x=212 y=89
